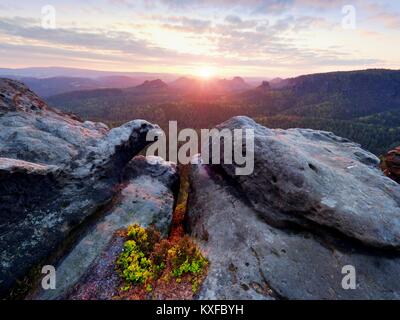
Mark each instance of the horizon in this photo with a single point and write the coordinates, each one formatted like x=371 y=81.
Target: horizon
x=171 y=77
x=257 y=38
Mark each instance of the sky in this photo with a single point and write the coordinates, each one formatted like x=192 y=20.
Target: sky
x=263 y=38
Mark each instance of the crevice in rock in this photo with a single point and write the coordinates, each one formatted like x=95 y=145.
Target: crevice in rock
x=267 y=289
x=32 y=279
x=26 y=286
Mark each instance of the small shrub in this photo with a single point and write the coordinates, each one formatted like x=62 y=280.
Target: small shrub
x=134 y=262
x=186 y=258
x=159 y=255
x=149 y=288
x=146 y=258
x=135 y=267
x=145 y=238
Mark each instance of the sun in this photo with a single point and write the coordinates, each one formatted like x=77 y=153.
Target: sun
x=206 y=72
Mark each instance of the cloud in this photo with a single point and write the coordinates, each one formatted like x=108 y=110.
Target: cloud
x=236 y=34
x=240 y=42
x=233 y=19
x=186 y=24
x=388 y=19
x=78 y=37
x=254 y=6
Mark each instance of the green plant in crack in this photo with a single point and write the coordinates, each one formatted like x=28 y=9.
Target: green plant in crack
x=146 y=259
x=134 y=262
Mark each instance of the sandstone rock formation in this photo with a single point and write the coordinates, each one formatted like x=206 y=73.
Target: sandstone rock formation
x=310 y=176
x=314 y=204
x=147 y=198
x=55 y=173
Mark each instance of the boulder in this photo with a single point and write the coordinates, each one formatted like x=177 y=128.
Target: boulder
x=147 y=198
x=314 y=204
x=31 y=131
x=310 y=177
x=251 y=259
x=55 y=173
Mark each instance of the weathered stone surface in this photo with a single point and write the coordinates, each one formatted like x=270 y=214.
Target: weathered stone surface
x=305 y=176
x=314 y=204
x=100 y=281
x=50 y=202
x=250 y=259
x=31 y=131
x=21 y=185
x=147 y=198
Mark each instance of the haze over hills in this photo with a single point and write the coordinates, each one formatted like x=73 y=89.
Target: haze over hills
x=220 y=86
x=49 y=72
x=180 y=88
x=56 y=85
x=49 y=81
x=55 y=80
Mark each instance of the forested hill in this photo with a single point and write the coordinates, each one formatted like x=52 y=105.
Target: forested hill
x=363 y=106
x=337 y=95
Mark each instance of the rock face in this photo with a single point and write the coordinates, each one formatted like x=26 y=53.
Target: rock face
x=55 y=172
x=310 y=176
x=147 y=198
x=391 y=164
x=314 y=204
x=30 y=131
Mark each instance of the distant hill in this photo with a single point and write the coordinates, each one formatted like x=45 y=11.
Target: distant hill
x=338 y=95
x=51 y=86
x=52 y=81
x=148 y=92
x=152 y=85
x=46 y=87
x=278 y=83
x=234 y=85
x=51 y=72
x=114 y=105
x=214 y=86
x=119 y=81
x=264 y=87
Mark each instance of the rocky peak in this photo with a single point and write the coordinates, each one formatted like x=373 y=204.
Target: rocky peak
x=153 y=84
x=238 y=80
x=264 y=86
x=15 y=96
